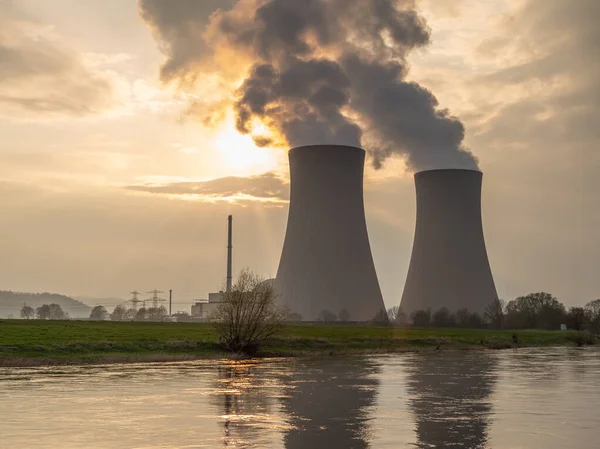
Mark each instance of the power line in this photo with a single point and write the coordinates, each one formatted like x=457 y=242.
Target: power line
x=155 y=300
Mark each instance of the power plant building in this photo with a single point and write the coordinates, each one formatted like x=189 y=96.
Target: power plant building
x=449 y=266
x=326 y=263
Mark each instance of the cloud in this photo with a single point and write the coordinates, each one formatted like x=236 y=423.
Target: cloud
x=41 y=75
x=536 y=116
x=314 y=72
x=267 y=187
x=555 y=86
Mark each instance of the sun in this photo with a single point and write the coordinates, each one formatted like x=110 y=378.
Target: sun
x=240 y=154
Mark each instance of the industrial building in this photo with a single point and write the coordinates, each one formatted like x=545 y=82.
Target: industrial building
x=449 y=266
x=326 y=263
x=203 y=309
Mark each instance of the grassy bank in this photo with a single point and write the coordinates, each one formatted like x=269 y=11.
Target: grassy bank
x=26 y=343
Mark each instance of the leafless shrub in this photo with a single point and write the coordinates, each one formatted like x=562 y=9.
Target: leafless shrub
x=248 y=315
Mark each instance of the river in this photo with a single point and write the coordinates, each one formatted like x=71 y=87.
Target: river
x=514 y=399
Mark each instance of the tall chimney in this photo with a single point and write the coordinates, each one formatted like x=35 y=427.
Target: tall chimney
x=229 y=251
x=326 y=263
x=449 y=266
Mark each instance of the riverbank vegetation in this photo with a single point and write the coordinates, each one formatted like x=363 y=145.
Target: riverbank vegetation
x=535 y=311
x=41 y=342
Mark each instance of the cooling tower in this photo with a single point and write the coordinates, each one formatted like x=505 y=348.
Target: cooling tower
x=326 y=262
x=449 y=265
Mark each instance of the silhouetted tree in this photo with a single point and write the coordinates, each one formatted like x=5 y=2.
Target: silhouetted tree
x=27 y=312
x=248 y=315
x=130 y=315
x=182 y=317
x=475 y=321
x=401 y=319
x=57 y=313
x=51 y=312
x=421 y=318
x=576 y=318
x=381 y=319
x=443 y=318
x=344 y=316
x=397 y=316
x=393 y=313
x=494 y=314
x=141 y=314
x=43 y=312
x=157 y=314
x=327 y=316
x=535 y=311
x=468 y=320
x=294 y=317
x=98 y=313
x=118 y=313
x=463 y=317
x=593 y=315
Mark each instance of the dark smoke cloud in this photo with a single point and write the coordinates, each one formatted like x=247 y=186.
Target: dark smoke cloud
x=325 y=71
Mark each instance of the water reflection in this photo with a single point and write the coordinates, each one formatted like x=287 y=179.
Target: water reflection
x=439 y=400
x=244 y=396
x=450 y=399
x=328 y=403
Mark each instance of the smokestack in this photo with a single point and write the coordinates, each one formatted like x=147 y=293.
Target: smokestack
x=229 y=251
x=326 y=262
x=449 y=265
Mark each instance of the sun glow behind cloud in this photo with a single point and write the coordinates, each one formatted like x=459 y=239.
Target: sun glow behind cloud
x=240 y=154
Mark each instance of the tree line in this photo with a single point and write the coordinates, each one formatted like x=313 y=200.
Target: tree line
x=534 y=311
x=44 y=312
x=99 y=313
x=122 y=313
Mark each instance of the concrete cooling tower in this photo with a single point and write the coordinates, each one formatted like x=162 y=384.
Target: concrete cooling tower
x=449 y=265
x=326 y=262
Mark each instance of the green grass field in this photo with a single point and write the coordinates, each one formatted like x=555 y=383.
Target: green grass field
x=37 y=342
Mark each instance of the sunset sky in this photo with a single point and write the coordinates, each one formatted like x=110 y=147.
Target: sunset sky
x=112 y=180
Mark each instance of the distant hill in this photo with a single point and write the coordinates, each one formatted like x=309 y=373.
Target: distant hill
x=12 y=302
x=109 y=303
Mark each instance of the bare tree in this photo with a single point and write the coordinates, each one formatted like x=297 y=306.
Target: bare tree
x=494 y=314
x=27 y=312
x=248 y=315
x=421 y=318
x=51 y=312
x=576 y=318
x=294 y=317
x=393 y=314
x=593 y=315
x=157 y=313
x=344 y=316
x=381 y=318
x=130 y=315
x=118 y=313
x=327 y=316
x=141 y=314
x=98 y=313
x=443 y=318
x=57 y=312
x=43 y=312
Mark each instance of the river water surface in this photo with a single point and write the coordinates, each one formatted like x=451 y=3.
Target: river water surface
x=527 y=398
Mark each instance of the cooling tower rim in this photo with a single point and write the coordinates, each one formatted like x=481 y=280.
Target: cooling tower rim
x=448 y=170
x=326 y=147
